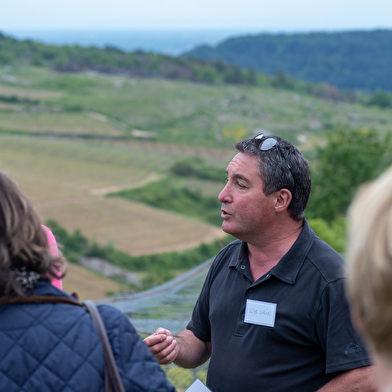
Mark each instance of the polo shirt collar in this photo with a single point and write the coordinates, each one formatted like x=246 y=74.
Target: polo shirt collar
x=240 y=255
x=290 y=264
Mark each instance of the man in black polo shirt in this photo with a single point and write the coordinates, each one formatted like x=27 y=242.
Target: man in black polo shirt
x=272 y=314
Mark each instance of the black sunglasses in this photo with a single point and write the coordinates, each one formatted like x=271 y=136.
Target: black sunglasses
x=270 y=142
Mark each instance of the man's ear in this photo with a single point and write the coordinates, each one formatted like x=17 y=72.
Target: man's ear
x=283 y=200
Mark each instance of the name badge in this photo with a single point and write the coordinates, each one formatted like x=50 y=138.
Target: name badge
x=260 y=313
x=198 y=386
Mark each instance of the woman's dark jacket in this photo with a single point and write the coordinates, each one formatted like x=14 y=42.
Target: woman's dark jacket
x=56 y=347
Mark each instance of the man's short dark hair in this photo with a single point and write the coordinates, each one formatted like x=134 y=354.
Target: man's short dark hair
x=276 y=174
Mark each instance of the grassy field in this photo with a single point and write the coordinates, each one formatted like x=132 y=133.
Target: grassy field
x=194 y=114
x=69 y=139
x=87 y=284
x=25 y=92
x=67 y=181
x=58 y=123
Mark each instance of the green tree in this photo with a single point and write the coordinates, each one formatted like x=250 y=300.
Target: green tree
x=233 y=75
x=251 y=77
x=333 y=233
x=37 y=60
x=348 y=159
x=281 y=80
x=5 y=57
x=205 y=74
x=381 y=98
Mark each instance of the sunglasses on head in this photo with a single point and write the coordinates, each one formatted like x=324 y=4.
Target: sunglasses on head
x=267 y=144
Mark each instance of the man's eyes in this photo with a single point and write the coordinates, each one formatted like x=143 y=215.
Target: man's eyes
x=238 y=183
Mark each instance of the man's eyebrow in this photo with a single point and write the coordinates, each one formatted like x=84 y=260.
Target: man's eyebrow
x=240 y=177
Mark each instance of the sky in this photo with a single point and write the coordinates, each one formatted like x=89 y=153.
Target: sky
x=244 y=15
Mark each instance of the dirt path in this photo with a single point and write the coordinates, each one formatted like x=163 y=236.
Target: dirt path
x=152 y=177
x=213 y=234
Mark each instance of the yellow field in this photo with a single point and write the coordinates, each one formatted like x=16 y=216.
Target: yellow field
x=67 y=180
x=22 y=92
x=88 y=285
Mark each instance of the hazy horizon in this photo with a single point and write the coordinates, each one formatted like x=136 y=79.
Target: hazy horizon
x=167 y=41
x=172 y=42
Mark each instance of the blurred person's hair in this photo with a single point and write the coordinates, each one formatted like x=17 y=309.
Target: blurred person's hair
x=276 y=175
x=369 y=266
x=23 y=242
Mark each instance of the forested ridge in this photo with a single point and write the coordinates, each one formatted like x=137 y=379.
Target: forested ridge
x=348 y=60
x=112 y=60
x=291 y=61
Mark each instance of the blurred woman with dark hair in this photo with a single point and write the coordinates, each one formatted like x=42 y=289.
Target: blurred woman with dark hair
x=47 y=347
x=24 y=254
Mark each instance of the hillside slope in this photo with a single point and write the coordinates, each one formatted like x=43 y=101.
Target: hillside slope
x=348 y=60
x=69 y=139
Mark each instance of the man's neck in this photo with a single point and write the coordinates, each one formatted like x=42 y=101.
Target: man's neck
x=264 y=255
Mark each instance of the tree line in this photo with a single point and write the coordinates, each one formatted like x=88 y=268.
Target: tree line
x=112 y=60
x=349 y=60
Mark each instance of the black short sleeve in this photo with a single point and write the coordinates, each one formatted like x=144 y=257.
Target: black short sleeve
x=342 y=344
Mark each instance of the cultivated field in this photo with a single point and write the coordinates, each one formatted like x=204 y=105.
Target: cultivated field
x=87 y=284
x=186 y=113
x=59 y=123
x=25 y=92
x=67 y=181
x=69 y=139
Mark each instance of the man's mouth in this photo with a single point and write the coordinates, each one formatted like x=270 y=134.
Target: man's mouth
x=224 y=214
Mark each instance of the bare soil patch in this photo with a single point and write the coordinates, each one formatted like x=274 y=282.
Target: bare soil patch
x=21 y=92
x=66 y=181
x=87 y=284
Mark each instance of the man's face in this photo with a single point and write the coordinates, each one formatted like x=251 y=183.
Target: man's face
x=246 y=210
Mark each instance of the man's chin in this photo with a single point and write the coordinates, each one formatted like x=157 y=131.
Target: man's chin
x=226 y=228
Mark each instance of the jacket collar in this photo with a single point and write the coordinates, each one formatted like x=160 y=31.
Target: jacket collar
x=46 y=288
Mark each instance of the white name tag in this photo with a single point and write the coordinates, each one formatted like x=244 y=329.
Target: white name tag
x=198 y=386
x=260 y=313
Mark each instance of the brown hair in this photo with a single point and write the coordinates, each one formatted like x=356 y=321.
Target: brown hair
x=370 y=262
x=23 y=242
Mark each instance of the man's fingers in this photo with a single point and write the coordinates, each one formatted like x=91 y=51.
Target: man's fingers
x=163 y=331
x=162 y=345
x=168 y=355
x=153 y=340
x=161 y=348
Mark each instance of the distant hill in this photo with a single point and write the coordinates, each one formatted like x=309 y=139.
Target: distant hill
x=303 y=63
x=111 y=60
x=348 y=60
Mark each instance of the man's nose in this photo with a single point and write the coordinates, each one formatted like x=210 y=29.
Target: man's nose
x=224 y=195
